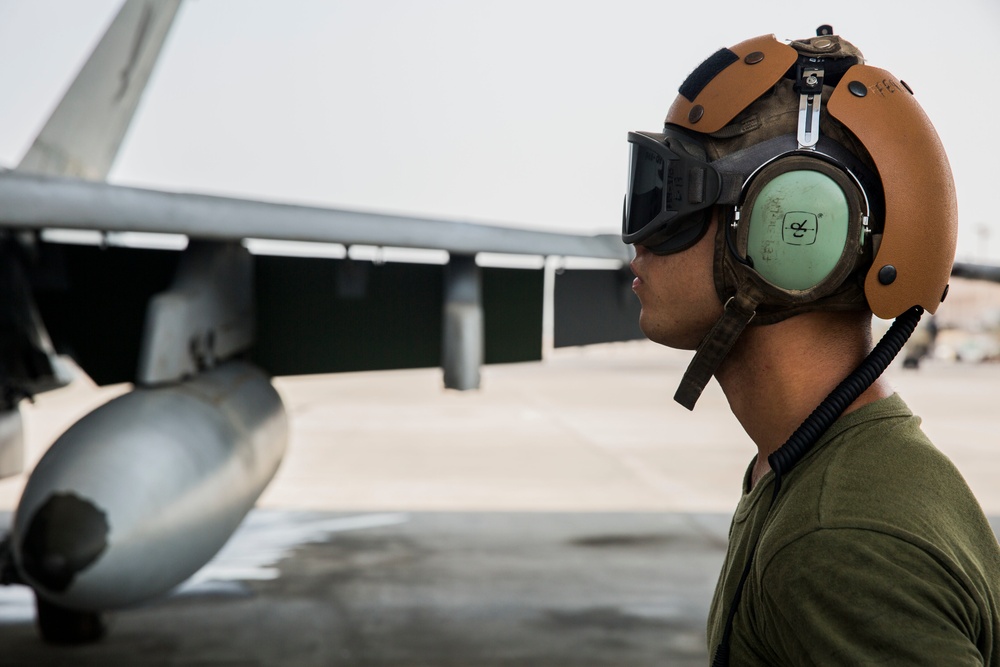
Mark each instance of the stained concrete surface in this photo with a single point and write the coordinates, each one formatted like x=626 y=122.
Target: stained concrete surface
x=565 y=514
x=435 y=589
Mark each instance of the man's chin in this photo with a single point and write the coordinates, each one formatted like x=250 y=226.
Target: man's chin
x=673 y=339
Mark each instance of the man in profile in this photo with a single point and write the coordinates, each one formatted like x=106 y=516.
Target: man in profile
x=793 y=192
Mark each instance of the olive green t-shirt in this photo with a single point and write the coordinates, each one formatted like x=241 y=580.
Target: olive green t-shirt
x=875 y=552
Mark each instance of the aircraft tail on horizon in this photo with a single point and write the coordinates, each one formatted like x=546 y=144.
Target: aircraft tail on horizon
x=82 y=136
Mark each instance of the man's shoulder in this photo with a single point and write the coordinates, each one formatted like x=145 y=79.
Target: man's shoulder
x=880 y=473
x=884 y=468
x=876 y=433
x=877 y=530
x=876 y=459
x=882 y=456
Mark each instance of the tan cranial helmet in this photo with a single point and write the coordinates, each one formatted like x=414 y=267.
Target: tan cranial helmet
x=835 y=190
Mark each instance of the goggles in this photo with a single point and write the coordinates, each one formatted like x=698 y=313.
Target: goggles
x=669 y=190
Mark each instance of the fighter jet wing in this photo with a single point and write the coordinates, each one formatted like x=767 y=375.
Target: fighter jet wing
x=30 y=201
x=312 y=314
x=153 y=315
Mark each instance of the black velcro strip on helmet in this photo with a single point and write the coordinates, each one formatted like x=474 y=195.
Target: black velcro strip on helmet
x=708 y=70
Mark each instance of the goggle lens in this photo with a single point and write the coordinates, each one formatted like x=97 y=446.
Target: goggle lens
x=645 y=195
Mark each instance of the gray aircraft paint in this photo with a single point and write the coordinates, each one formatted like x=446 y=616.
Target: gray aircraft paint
x=173 y=470
x=206 y=316
x=84 y=133
x=38 y=202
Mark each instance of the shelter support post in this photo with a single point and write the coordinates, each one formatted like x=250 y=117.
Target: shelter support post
x=462 y=352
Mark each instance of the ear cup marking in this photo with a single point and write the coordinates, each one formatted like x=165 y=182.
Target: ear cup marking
x=801 y=225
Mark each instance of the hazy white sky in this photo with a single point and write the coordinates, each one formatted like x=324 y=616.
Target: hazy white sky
x=509 y=112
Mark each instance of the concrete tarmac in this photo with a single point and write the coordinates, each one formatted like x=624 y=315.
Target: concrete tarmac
x=567 y=513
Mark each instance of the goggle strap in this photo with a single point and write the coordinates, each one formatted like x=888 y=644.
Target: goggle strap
x=738 y=312
x=735 y=169
x=746 y=161
x=731 y=189
x=696 y=185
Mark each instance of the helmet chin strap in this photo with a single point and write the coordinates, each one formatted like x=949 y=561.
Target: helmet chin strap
x=739 y=310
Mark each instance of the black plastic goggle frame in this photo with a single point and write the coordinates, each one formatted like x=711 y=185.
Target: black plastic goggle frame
x=667 y=188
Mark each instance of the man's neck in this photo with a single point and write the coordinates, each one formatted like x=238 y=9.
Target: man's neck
x=778 y=374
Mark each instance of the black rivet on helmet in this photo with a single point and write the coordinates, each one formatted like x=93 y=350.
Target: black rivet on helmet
x=697 y=111
x=857 y=88
x=754 y=58
x=907 y=86
x=824 y=30
x=944 y=295
x=887 y=274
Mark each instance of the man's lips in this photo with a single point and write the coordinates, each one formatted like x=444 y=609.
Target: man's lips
x=638 y=279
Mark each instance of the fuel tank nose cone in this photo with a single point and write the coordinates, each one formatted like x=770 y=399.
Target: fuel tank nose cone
x=66 y=535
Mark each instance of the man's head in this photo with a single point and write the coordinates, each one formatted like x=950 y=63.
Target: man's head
x=829 y=184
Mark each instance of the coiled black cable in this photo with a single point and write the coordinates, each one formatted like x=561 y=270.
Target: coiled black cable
x=808 y=434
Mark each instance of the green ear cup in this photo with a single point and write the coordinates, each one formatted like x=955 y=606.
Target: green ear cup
x=797 y=228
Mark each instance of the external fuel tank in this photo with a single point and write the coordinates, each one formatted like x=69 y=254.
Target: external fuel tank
x=139 y=494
